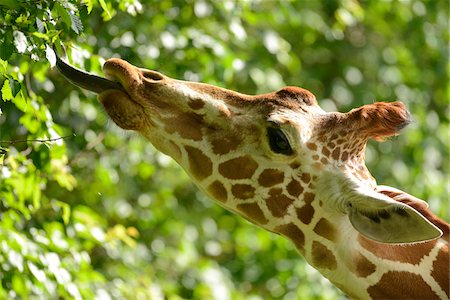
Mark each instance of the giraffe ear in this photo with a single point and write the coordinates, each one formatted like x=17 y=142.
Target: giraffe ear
x=378 y=217
x=379 y=120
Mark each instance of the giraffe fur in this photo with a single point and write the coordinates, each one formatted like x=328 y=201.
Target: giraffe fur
x=307 y=182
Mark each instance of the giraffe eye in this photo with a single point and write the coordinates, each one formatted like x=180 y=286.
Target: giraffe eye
x=278 y=142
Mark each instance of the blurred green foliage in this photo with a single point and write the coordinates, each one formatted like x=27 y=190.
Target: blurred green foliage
x=88 y=210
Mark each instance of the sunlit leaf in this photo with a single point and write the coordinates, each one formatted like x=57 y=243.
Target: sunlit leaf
x=66 y=213
x=10 y=89
x=30 y=122
x=19 y=286
x=51 y=57
x=3 y=66
x=40 y=25
x=20 y=41
x=63 y=14
x=89 y=5
x=77 y=25
x=106 y=10
x=6 y=91
x=41 y=35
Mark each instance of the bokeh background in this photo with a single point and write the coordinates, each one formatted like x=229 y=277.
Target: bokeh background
x=100 y=214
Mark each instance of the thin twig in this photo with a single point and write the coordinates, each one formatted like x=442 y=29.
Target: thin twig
x=37 y=140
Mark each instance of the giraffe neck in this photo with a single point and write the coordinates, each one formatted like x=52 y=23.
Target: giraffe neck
x=365 y=269
x=286 y=201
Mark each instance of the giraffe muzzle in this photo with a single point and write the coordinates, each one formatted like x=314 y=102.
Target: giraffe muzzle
x=86 y=80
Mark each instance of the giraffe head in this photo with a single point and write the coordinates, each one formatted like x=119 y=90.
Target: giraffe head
x=274 y=158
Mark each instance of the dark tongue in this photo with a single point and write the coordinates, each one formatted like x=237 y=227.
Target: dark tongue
x=84 y=79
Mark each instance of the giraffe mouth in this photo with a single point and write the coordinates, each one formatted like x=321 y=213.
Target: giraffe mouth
x=113 y=94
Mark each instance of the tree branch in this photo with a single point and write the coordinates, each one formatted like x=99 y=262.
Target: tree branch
x=12 y=142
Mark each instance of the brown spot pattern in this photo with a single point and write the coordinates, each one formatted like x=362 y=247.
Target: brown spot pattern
x=311 y=146
x=407 y=286
x=175 y=151
x=295 y=165
x=336 y=153
x=226 y=143
x=322 y=258
x=440 y=271
x=243 y=191
x=253 y=212
x=218 y=191
x=308 y=197
x=238 y=168
x=325 y=151
x=324 y=160
x=363 y=266
x=294 y=188
x=408 y=253
x=200 y=165
x=277 y=202
x=325 y=228
x=344 y=155
x=305 y=177
x=187 y=125
x=292 y=232
x=305 y=213
x=270 y=177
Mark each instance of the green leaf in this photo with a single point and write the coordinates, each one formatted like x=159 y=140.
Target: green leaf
x=65 y=212
x=41 y=35
x=19 y=286
x=3 y=66
x=106 y=10
x=6 y=91
x=76 y=26
x=89 y=4
x=63 y=14
x=15 y=86
x=3 y=152
x=10 y=89
x=6 y=49
x=14 y=4
x=21 y=101
x=30 y=122
x=40 y=25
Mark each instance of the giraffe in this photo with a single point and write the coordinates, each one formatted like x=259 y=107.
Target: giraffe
x=289 y=167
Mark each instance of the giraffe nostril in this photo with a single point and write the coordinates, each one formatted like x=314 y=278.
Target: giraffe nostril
x=153 y=75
